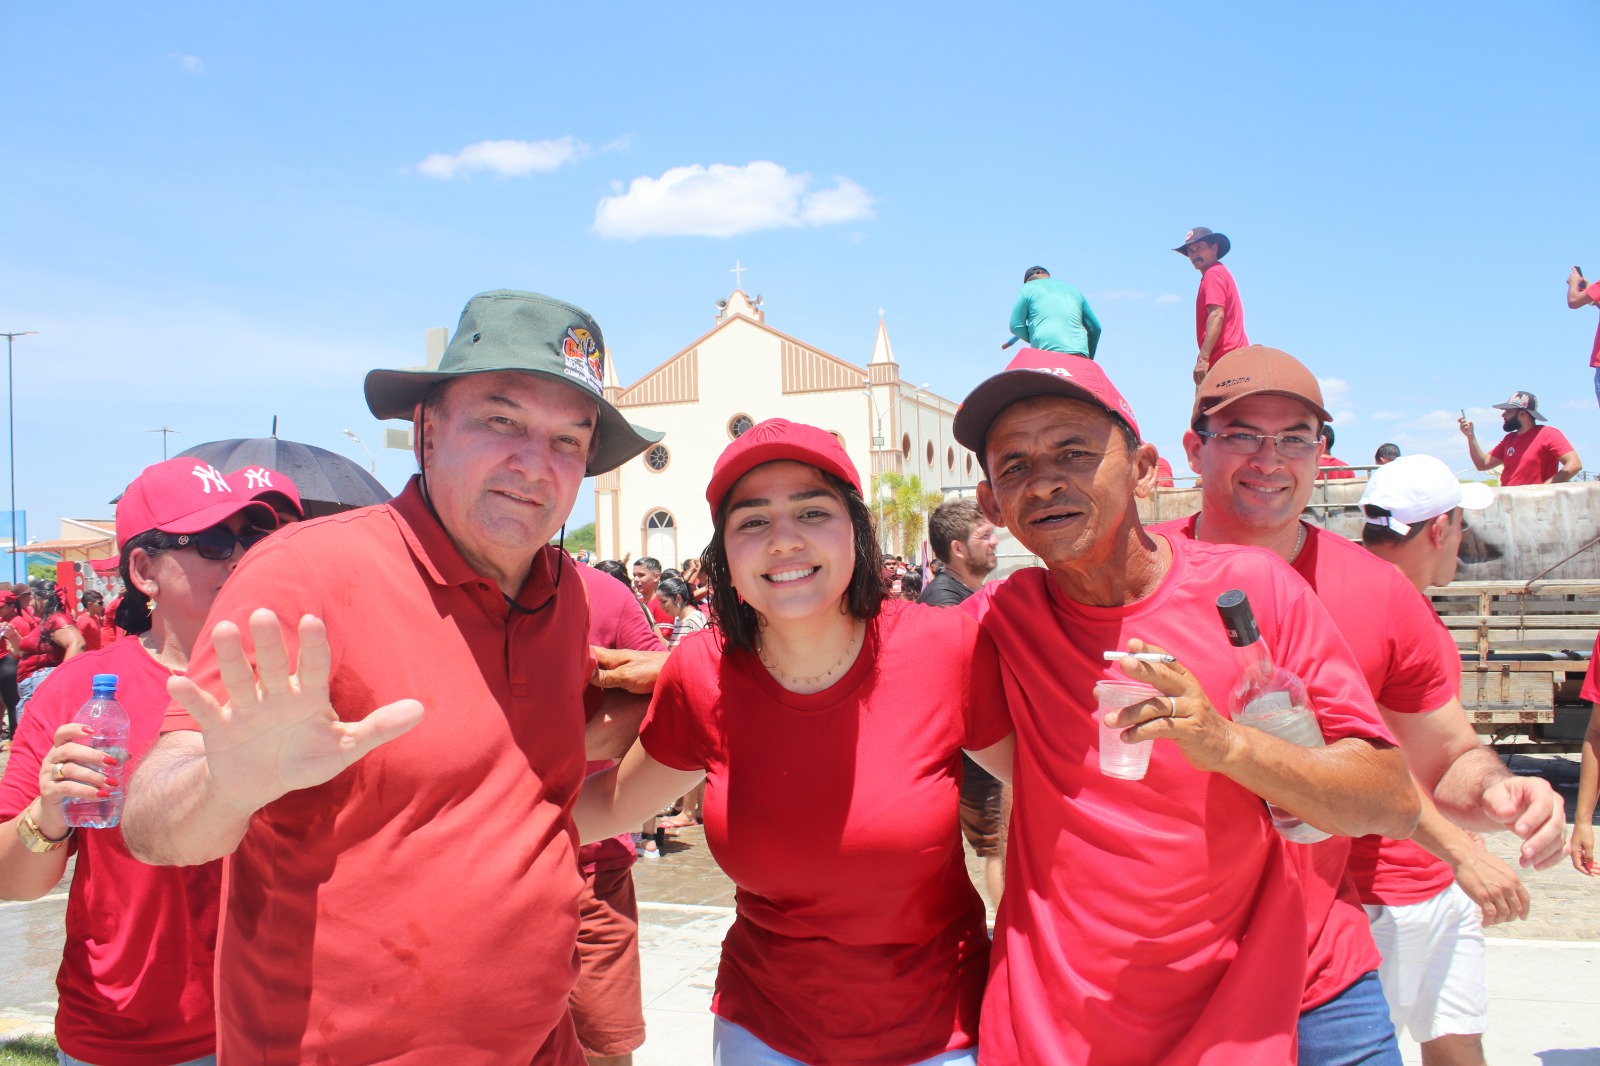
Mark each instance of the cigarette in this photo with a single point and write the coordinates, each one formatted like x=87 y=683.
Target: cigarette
x=1139 y=656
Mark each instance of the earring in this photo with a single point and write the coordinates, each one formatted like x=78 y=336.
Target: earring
x=150 y=603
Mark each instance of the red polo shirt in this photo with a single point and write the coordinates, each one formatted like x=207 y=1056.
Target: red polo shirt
x=421 y=907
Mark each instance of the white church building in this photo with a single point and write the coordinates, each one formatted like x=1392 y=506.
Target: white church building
x=741 y=372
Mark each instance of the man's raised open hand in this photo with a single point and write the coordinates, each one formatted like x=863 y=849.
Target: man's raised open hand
x=278 y=731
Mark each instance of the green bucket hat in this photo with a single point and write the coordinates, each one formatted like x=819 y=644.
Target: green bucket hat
x=511 y=330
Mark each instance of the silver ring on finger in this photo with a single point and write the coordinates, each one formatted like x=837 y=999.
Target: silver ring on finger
x=60 y=772
x=1172 y=701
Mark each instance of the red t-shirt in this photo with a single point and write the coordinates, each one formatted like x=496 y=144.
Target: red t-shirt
x=859 y=937
x=421 y=907
x=136 y=974
x=615 y=621
x=40 y=649
x=91 y=631
x=1531 y=457
x=1335 y=468
x=1163 y=473
x=1401 y=662
x=1412 y=666
x=1159 y=920
x=1594 y=352
x=1217 y=289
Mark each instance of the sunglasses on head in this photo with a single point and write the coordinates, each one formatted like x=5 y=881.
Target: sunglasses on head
x=217 y=542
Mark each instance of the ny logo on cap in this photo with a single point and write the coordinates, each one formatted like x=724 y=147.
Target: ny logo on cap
x=209 y=476
x=257 y=477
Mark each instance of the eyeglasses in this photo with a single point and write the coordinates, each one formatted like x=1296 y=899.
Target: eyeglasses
x=1290 y=445
x=217 y=543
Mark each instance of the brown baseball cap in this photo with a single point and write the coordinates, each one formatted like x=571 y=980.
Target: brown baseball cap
x=1256 y=371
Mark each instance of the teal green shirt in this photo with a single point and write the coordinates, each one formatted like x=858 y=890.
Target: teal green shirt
x=1054 y=316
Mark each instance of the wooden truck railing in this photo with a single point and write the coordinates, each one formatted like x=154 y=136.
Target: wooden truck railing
x=1536 y=698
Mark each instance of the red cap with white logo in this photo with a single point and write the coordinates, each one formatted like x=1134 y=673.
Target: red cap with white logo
x=272 y=487
x=183 y=495
x=1035 y=372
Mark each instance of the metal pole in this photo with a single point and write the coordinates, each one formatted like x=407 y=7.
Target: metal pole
x=11 y=429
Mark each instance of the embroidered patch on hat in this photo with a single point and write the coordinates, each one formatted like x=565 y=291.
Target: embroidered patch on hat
x=1187 y=237
x=257 y=477
x=582 y=358
x=1058 y=371
x=210 y=476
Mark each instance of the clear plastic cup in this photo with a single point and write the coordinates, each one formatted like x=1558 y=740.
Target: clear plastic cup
x=1118 y=759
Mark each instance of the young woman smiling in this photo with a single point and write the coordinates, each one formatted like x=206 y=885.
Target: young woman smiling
x=859 y=938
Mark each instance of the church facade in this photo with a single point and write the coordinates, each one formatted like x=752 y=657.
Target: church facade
x=743 y=371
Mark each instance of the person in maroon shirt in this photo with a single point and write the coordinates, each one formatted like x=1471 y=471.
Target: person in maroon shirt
x=1529 y=454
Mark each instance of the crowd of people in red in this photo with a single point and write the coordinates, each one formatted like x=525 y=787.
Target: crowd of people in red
x=398 y=827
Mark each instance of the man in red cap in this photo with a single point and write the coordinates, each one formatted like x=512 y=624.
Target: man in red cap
x=1254 y=441
x=1152 y=920
x=419 y=905
x=1529 y=454
x=1218 y=314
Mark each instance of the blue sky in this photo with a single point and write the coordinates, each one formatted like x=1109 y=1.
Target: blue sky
x=213 y=217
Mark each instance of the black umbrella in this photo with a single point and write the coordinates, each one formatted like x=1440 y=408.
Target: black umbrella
x=328 y=482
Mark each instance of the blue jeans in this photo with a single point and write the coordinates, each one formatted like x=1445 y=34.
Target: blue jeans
x=1351 y=1028
x=734 y=1045
x=67 y=1060
x=1597 y=384
x=26 y=686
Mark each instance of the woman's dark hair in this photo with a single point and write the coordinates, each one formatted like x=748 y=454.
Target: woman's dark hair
x=911 y=584
x=50 y=593
x=863 y=597
x=676 y=588
x=616 y=570
x=133 y=613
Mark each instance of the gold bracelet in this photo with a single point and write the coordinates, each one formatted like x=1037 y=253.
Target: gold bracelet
x=33 y=837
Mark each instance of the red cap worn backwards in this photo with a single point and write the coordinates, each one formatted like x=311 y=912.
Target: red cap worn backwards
x=183 y=495
x=774 y=440
x=1035 y=372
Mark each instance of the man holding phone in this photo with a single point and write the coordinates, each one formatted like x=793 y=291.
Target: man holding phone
x=1578 y=295
x=1529 y=454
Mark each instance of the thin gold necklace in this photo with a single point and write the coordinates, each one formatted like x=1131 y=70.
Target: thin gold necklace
x=146 y=643
x=858 y=630
x=1299 y=540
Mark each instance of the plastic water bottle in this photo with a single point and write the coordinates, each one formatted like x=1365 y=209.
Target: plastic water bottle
x=109 y=721
x=1269 y=698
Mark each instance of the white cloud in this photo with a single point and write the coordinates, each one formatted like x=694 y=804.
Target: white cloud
x=188 y=64
x=618 y=144
x=723 y=201
x=510 y=158
x=1335 y=391
x=1343 y=418
x=1168 y=298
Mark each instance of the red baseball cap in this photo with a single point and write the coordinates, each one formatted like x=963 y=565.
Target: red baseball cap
x=270 y=487
x=774 y=440
x=1035 y=372
x=183 y=495
x=8 y=598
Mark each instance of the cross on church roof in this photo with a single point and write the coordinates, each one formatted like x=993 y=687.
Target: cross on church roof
x=738 y=272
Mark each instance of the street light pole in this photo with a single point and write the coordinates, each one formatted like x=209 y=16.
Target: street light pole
x=372 y=464
x=11 y=425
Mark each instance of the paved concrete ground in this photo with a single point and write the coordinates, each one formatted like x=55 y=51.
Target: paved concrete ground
x=1544 y=974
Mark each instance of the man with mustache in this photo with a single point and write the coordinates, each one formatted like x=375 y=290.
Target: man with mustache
x=1218 y=314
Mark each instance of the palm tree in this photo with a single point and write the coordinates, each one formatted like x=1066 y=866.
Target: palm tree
x=903 y=506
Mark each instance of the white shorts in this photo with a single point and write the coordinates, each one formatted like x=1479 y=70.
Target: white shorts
x=1432 y=971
